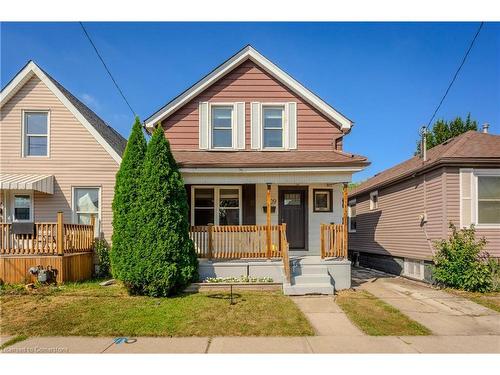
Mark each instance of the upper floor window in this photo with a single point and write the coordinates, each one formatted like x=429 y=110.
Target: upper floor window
x=272 y=120
x=374 y=200
x=488 y=200
x=222 y=126
x=36 y=133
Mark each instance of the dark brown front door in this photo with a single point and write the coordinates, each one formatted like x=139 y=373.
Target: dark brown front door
x=293 y=212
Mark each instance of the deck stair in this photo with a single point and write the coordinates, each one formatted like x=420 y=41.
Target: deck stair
x=308 y=279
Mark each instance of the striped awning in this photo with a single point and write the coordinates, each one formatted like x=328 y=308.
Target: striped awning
x=40 y=182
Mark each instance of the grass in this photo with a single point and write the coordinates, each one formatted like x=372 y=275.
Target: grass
x=13 y=341
x=377 y=318
x=490 y=300
x=87 y=309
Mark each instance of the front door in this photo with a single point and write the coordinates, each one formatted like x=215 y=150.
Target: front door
x=293 y=212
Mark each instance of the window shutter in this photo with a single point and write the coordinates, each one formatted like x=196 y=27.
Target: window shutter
x=465 y=198
x=203 y=132
x=240 y=126
x=292 y=125
x=255 y=125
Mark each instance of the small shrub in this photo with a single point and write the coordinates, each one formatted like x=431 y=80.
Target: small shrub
x=101 y=249
x=461 y=263
x=494 y=265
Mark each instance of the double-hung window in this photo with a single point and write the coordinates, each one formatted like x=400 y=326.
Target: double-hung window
x=488 y=199
x=272 y=122
x=219 y=205
x=222 y=126
x=36 y=134
x=86 y=202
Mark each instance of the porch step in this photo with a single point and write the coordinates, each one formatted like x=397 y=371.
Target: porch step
x=312 y=279
x=300 y=290
x=302 y=269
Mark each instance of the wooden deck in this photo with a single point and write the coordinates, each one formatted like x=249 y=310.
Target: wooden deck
x=67 y=248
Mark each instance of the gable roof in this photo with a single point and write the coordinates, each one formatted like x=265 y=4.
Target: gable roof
x=471 y=147
x=226 y=67
x=107 y=137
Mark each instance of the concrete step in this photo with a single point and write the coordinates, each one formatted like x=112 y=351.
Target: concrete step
x=311 y=279
x=311 y=270
x=300 y=290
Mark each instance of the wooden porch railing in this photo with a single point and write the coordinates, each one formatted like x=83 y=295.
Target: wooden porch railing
x=49 y=239
x=333 y=238
x=285 y=254
x=236 y=241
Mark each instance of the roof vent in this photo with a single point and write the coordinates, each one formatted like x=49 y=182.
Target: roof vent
x=486 y=126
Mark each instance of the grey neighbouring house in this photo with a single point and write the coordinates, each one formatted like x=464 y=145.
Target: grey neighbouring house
x=396 y=216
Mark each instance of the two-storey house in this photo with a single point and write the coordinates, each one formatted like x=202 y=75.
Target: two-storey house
x=258 y=150
x=56 y=155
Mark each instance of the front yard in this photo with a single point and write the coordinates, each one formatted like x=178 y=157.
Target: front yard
x=87 y=309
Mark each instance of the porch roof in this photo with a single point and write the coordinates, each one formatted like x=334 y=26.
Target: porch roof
x=268 y=159
x=14 y=181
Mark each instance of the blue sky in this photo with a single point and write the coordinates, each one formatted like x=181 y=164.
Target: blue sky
x=386 y=77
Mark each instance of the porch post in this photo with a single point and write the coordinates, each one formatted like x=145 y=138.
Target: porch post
x=344 y=220
x=60 y=234
x=268 y=220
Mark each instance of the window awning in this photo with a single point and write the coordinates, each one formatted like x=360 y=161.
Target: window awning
x=13 y=181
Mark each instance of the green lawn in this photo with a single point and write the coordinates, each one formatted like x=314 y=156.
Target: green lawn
x=490 y=300
x=377 y=318
x=88 y=309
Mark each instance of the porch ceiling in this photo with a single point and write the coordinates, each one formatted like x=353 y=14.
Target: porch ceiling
x=15 y=181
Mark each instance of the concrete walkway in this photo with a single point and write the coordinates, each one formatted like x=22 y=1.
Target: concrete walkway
x=443 y=313
x=312 y=344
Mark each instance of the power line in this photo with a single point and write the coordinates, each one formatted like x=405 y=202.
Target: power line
x=106 y=67
x=456 y=73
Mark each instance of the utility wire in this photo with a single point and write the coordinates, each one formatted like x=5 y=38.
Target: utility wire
x=107 y=69
x=456 y=73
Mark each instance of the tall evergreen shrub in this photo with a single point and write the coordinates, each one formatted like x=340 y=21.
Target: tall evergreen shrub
x=125 y=228
x=165 y=260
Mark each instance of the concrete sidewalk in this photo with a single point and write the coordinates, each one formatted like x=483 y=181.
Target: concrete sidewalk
x=312 y=344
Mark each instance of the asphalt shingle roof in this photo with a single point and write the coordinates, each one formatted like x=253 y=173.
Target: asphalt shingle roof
x=471 y=146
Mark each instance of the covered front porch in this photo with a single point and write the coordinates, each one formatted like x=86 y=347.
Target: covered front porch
x=290 y=226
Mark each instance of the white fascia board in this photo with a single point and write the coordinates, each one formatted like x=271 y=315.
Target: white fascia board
x=31 y=69
x=271 y=68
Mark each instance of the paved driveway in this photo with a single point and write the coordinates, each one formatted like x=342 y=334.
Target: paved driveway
x=443 y=313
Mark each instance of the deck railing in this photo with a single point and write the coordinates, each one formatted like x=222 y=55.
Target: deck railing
x=48 y=239
x=333 y=238
x=237 y=241
x=284 y=251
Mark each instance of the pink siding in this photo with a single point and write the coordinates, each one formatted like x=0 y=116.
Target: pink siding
x=250 y=83
x=76 y=158
x=453 y=203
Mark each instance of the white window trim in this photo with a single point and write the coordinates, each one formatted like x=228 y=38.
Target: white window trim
x=351 y=202
x=74 y=215
x=24 y=135
x=217 y=189
x=474 y=195
x=234 y=145
x=284 y=126
x=372 y=202
x=13 y=205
